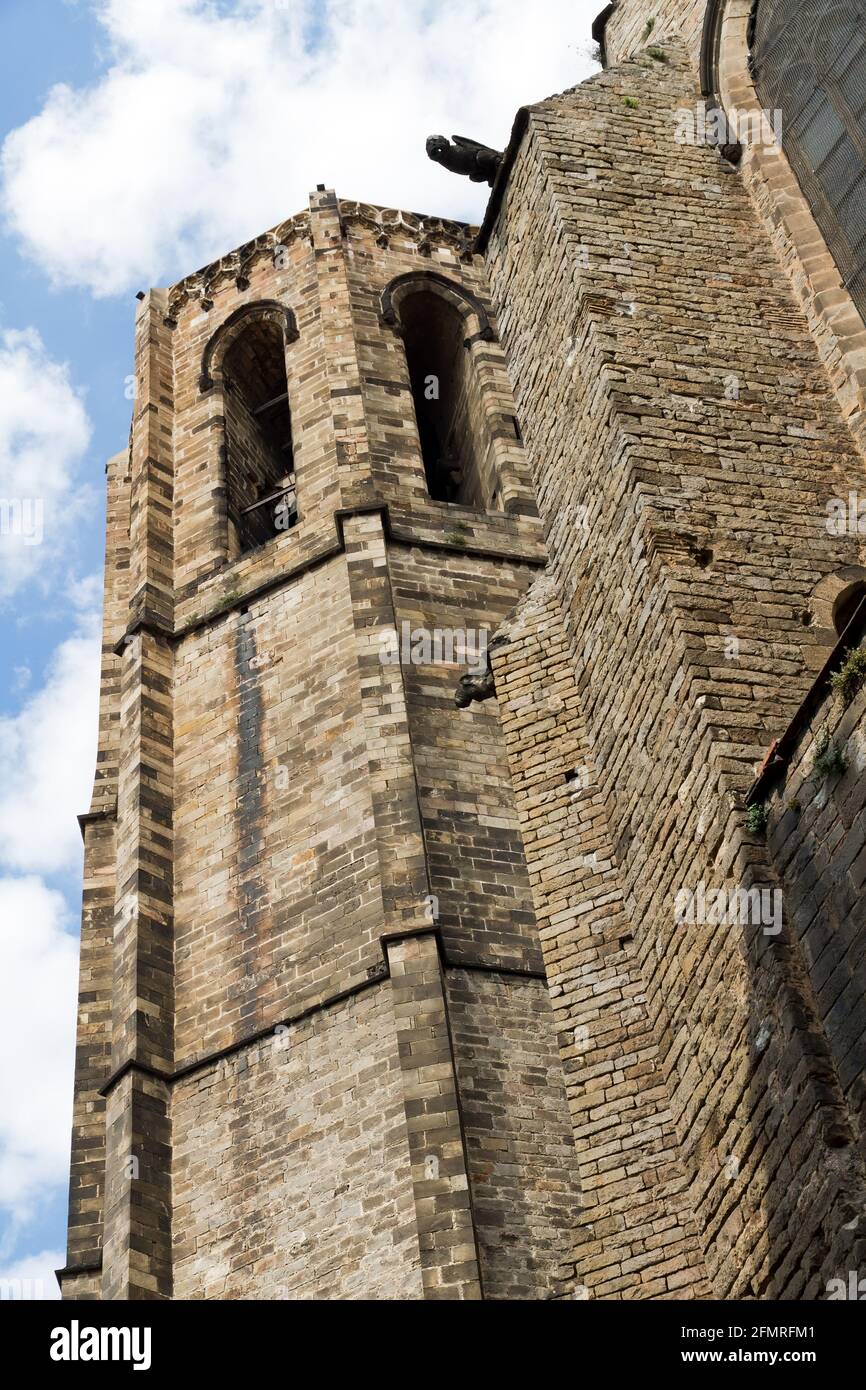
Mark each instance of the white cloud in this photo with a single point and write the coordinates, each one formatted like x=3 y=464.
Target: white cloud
x=48 y=755
x=32 y=1277
x=38 y=984
x=44 y=431
x=212 y=122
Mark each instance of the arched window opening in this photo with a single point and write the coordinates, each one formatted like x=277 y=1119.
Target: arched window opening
x=846 y=605
x=448 y=406
x=260 y=476
x=809 y=65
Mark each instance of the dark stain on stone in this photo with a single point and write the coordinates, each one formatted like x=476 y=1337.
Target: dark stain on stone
x=252 y=893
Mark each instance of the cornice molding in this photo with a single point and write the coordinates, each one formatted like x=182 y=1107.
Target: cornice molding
x=423 y=231
x=201 y=285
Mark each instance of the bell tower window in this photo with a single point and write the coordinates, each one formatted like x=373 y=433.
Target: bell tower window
x=470 y=443
x=246 y=360
x=260 y=473
x=447 y=408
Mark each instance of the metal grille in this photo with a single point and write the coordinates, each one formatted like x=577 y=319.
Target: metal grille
x=809 y=64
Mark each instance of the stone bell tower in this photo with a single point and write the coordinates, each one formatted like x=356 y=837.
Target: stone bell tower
x=316 y=1055
x=372 y=986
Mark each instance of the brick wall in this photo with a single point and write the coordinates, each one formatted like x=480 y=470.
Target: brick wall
x=291 y=1171
x=816 y=833
x=93 y=1043
x=682 y=433
x=520 y=1153
x=309 y=841
x=277 y=889
x=633 y=24
x=636 y=1239
x=471 y=831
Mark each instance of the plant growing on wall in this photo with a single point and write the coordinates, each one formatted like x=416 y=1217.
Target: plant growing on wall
x=228 y=601
x=848 y=680
x=757 y=817
x=830 y=760
x=458 y=534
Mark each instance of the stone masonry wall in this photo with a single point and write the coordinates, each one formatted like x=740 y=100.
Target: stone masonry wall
x=93 y=1045
x=683 y=436
x=520 y=1153
x=276 y=876
x=471 y=831
x=311 y=847
x=836 y=326
x=291 y=1171
x=817 y=838
x=637 y=1239
x=633 y=24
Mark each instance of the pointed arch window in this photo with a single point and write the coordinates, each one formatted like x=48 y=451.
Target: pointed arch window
x=442 y=395
x=247 y=359
x=443 y=327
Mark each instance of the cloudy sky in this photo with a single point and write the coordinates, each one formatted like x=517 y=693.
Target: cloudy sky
x=142 y=138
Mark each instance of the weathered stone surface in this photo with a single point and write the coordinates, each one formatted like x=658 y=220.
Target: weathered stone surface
x=304 y=844
x=686 y=525
x=383 y=998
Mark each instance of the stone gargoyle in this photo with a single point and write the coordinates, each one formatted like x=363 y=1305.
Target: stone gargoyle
x=474 y=688
x=478 y=162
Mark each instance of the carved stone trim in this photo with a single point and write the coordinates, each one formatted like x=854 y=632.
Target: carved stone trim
x=425 y=232
x=234 y=266
x=825 y=597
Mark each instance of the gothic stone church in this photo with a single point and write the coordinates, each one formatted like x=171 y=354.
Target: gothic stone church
x=543 y=979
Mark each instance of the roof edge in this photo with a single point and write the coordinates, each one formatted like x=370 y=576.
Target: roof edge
x=518 y=130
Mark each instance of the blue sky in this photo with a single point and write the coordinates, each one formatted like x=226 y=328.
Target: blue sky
x=141 y=138
x=93 y=338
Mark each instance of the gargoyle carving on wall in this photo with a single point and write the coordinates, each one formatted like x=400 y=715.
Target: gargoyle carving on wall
x=474 y=688
x=467 y=157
